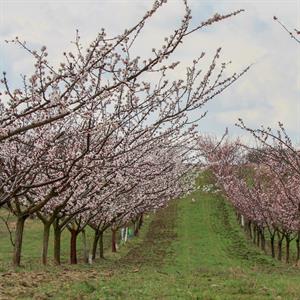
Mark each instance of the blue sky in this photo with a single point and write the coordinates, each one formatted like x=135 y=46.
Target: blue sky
x=268 y=93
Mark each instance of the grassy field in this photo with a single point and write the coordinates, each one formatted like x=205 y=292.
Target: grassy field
x=191 y=250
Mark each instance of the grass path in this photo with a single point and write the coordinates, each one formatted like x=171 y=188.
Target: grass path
x=191 y=250
x=195 y=250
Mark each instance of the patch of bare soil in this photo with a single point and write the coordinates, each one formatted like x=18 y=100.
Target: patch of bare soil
x=19 y=285
x=156 y=243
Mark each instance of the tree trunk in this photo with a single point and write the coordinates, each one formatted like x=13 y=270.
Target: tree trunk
x=238 y=217
x=85 y=248
x=287 y=254
x=249 y=229
x=262 y=240
x=279 y=245
x=95 y=243
x=113 y=240
x=254 y=233
x=136 y=228
x=273 y=245
x=101 y=246
x=73 y=247
x=45 y=242
x=298 y=248
x=57 y=238
x=258 y=237
x=18 y=241
x=141 y=221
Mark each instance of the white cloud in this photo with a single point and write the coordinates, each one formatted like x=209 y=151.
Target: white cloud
x=269 y=92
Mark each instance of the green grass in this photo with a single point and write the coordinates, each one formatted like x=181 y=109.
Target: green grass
x=191 y=250
x=32 y=244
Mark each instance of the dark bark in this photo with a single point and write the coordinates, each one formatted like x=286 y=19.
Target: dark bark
x=279 y=246
x=46 y=235
x=249 y=229
x=262 y=240
x=298 y=247
x=287 y=245
x=73 y=247
x=136 y=228
x=57 y=238
x=258 y=234
x=95 y=243
x=137 y=225
x=254 y=234
x=279 y=254
x=113 y=240
x=101 y=245
x=141 y=221
x=273 y=245
x=18 y=241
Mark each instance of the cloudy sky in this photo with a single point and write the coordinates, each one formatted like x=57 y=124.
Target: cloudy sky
x=268 y=93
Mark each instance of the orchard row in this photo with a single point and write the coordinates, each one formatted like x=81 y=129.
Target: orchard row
x=104 y=137
x=263 y=184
